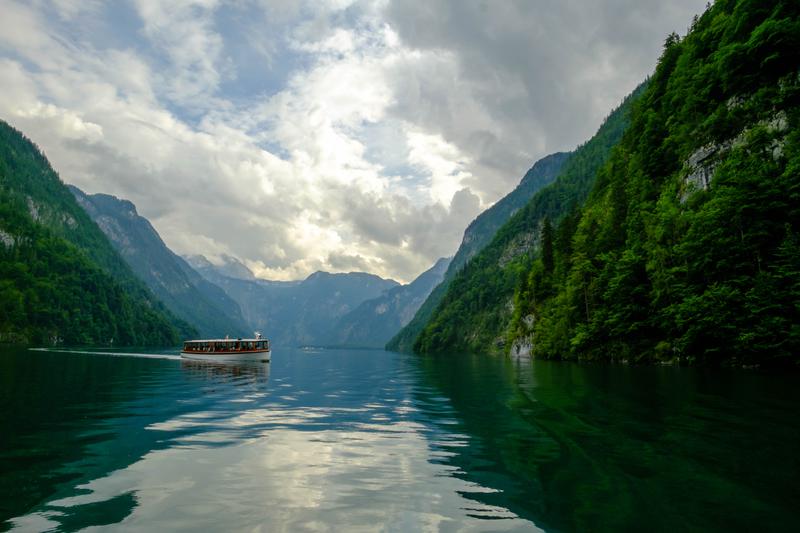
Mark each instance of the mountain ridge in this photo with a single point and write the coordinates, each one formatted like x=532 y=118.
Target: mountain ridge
x=187 y=294
x=299 y=312
x=477 y=234
x=62 y=280
x=374 y=322
x=686 y=249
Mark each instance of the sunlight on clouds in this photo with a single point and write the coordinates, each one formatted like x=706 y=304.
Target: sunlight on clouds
x=384 y=130
x=69 y=124
x=441 y=161
x=285 y=216
x=340 y=42
x=306 y=233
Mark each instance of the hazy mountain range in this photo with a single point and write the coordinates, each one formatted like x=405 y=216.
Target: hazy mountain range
x=224 y=297
x=293 y=312
x=375 y=321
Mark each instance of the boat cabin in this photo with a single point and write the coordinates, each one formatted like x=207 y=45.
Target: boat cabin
x=226 y=346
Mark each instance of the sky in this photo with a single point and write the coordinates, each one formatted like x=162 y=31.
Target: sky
x=334 y=135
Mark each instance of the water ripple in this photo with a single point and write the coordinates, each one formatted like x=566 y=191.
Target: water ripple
x=301 y=443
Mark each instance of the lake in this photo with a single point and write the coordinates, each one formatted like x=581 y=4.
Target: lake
x=359 y=440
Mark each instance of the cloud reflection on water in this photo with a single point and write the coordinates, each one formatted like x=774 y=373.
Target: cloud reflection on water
x=291 y=479
x=292 y=454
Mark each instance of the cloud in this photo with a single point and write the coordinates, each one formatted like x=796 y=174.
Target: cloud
x=301 y=136
x=508 y=82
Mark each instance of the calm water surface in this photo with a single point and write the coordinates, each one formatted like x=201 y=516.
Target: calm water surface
x=371 y=440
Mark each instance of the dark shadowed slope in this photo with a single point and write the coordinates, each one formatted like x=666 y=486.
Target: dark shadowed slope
x=477 y=235
x=60 y=277
x=185 y=292
x=687 y=248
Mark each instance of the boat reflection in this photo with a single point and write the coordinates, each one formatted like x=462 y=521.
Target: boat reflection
x=250 y=372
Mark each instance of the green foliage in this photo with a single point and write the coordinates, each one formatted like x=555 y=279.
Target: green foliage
x=59 y=277
x=686 y=249
x=663 y=269
x=479 y=234
x=547 y=246
x=473 y=312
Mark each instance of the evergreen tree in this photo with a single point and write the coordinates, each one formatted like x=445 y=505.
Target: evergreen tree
x=686 y=248
x=547 y=246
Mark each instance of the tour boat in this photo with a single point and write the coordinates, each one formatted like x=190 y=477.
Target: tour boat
x=224 y=350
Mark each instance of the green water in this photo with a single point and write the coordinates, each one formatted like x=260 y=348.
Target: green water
x=372 y=440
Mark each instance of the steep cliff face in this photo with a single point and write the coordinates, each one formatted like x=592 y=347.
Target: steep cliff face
x=687 y=247
x=477 y=235
x=481 y=230
x=62 y=281
x=187 y=294
x=375 y=321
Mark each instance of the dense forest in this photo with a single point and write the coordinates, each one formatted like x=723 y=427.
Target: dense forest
x=477 y=235
x=687 y=249
x=60 y=279
x=472 y=310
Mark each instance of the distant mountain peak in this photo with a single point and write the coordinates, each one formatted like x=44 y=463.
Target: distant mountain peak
x=119 y=204
x=225 y=265
x=198 y=261
x=375 y=321
x=236 y=268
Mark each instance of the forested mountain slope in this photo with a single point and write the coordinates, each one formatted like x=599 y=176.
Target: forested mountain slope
x=60 y=278
x=687 y=249
x=472 y=310
x=477 y=235
x=185 y=292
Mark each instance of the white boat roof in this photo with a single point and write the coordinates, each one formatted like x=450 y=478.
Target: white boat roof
x=227 y=340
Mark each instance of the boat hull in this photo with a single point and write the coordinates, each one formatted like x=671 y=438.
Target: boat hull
x=228 y=357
